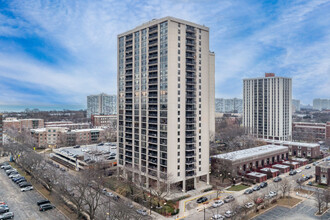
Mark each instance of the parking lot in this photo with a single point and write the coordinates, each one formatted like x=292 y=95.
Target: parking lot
x=24 y=204
x=305 y=210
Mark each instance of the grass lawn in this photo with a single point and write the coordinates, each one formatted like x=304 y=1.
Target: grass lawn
x=321 y=186
x=288 y=201
x=237 y=188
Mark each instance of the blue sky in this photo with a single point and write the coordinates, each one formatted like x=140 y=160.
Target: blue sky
x=55 y=52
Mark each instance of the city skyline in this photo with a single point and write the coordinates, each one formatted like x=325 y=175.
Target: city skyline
x=54 y=53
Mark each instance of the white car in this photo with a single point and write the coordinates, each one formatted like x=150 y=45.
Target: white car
x=298 y=171
x=109 y=194
x=217 y=203
x=28 y=188
x=229 y=214
x=218 y=217
x=249 y=205
x=142 y=212
x=272 y=194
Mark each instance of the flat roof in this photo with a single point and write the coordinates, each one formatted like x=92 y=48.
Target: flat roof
x=89 y=152
x=281 y=166
x=302 y=144
x=87 y=129
x=299 y=159
x=38 y=130
x=292 y=162
x=256 y=174
x=251 y=152
x=325 y=164
x=269 y=169
x=157 y=21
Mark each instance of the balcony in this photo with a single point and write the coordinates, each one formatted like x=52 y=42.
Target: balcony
x=153 y=56
x=190 y=173
x=153 y=29
x=153 y=63
x=190 y=127
x=128 y=66
x=191 y=167
x=129 y=49
x=190 y=29
x=152 y=127
x=153 y=68
x=153 y=121
x=129 y=37
x=153 y=36
x=190 y=55
x=153 y=42
x=190 y=161
x=153 y=81
x=190 y=69
x=190 y=42
x=153 y=75
x=153 y=48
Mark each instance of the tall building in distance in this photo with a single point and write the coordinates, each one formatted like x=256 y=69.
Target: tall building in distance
x=101 y=104
x=165 y=102
x=228 y=105
x=321 y=104
x=295 y=105
x=1 y=130
x=267 y=107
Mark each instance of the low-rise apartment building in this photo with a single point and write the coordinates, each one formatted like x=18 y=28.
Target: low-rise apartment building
x=311 y=132
x=59 y=136
x=1 y=130
x=67 y=124
x=20 y=124
x=104 y=121
x=298 y=149
x=253 y=158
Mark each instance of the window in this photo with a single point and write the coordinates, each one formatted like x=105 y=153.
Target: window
x=200 y=162
x=200 y=169
x=179 y=32
x=178 y=173
x=178 y=38
x=178 y=44
x=178 y=58
x=178 y=153
x=179 y=79
x=178 y=160
x=178 y=167
x=178 y=51
x=200 y=150
x=178 y=139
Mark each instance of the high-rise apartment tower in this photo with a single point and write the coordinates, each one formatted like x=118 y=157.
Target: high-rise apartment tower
x=165 y=102
x=267 y=107
x=101 y=104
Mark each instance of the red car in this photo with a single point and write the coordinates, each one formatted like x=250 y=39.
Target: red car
x=259 y=201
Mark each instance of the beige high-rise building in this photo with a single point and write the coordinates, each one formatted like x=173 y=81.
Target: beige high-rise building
x=165 y=102
x=267 y=107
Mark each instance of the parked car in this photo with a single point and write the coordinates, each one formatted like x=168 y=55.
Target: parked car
x=263 y=184
x=229 y=199
x=202 y=200
x=308 y=167
x=4 y=210
x=116 y=197
x=248 y=191
x=217 y=203
x=8 y=172
x=291 y=173
x=28 y=188
x=3 y=206
x=298 y=171
x=249 y=205
x=20 y=181
x=310 y=183
x=46 y=207
x=17 y=178
x=142 y=212
x=272 y=193
x=42 y=202
x=256 y=188
x=228 y=214
x=7 y=167
x=7 y=215
x=277 y=179
x=77 y=146
x=218 y=217
x=24 y=184
x=14 y=175
x=310 y=176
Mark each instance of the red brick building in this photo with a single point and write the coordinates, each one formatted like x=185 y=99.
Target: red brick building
x=301 y=161
x=292 y=164
x=104 y=121
x=282 y=168
x=67 y=124
x=307 y=131
x=298 y=149
x=259 y=177
x=20 y=124
x=270 y=172
x=322 y=173
x=251 y=159
x=1 y=131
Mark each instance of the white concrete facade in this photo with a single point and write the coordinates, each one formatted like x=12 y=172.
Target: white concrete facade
x=267 y=107
x=165 y=100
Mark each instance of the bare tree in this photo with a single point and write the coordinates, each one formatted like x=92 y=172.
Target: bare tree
x=326 y=197
x=285 y=186
x=319 y=200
